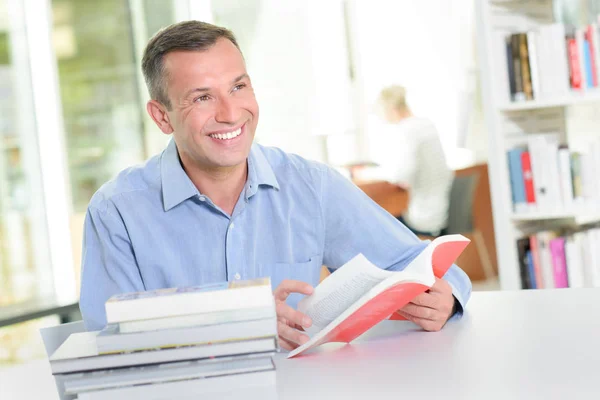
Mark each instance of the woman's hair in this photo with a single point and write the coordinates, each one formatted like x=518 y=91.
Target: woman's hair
x=394 y=96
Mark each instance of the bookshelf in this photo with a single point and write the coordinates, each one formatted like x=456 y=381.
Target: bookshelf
x=511 y=123
x=570 y=99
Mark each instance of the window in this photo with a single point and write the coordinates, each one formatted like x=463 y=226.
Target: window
x=98 y=46
x=24 y=266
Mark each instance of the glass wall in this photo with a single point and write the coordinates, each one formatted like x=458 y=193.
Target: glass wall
x=98 y=46
x=24 y=267
x=93 y=44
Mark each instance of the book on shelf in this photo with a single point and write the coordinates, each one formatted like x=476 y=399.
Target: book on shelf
x=171 y=302
x=552 y=60
x=554 y=259
x=546 y=176
x=359 y=295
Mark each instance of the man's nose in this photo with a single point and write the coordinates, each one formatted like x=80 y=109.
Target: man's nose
x=227 y=111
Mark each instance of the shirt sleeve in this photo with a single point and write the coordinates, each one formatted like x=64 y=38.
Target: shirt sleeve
x=354 y=224
x=108 y=267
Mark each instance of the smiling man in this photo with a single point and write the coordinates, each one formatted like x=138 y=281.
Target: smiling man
x=213 y=206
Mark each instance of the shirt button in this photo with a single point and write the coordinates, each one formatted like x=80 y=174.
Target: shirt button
x=237 y=276
x=232 y=225
x=201 y=198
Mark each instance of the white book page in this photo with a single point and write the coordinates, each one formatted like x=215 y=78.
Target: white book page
x=419 y=270
x=340 y=290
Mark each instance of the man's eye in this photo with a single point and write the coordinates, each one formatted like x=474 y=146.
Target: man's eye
x=238 y=87
x=201 y=98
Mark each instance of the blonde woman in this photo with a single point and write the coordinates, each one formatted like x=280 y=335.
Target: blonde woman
x=411 y=155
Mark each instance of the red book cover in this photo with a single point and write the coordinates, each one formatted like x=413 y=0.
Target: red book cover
x=528 y=177
x=345 y=306
x=573 y=55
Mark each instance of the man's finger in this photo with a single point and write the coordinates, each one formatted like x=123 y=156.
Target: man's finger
x=420 y=312
x=293 y=316
x=290 y=334
x=289 y=286
x=286 y=344
x=426 y=324
x=426 y=300
x=440 y=286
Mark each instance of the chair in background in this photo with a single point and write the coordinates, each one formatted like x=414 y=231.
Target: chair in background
x=460 y=218
x=53 y=337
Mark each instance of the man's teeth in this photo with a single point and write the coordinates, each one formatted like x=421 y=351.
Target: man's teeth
x=228 y=135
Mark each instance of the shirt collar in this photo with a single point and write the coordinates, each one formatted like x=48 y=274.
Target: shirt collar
x=178 y=187
x=259 y=171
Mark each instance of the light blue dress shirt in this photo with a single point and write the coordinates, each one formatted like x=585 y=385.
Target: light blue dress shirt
x=150 y=228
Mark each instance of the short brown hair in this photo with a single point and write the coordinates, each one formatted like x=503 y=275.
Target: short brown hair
x=187 y=36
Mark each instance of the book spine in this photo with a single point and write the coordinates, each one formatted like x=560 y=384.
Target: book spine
x=546 y=258
x=590 y=37
x=575 y=73
x=530 y=270
x=537 y=267
x=537 y=150
x=514 y=44
x=188 y=303
x=574 y=261
x=533 y=63
x=587 y=56
x=566 y=180
x=525 y=68
x=516 y=180
x=561 y=58
x=559 y=262
x=511 y=69
x=576 y=178
x=523 y=248
x=528 y=178
x=581 y=52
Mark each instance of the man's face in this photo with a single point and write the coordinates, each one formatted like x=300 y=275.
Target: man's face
x=214 y=112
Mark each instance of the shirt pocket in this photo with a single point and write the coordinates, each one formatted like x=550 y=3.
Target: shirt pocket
x=308 y=271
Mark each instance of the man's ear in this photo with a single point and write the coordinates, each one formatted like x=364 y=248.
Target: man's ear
x=159 y=115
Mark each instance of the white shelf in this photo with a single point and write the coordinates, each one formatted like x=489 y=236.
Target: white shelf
x=572 y=98
x=577 y=218
x=494 y=21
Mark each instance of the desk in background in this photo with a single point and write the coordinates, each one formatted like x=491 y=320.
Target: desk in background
x=536 y=344
x=395 y=200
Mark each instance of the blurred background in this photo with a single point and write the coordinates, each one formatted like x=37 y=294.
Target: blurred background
x=72 y=116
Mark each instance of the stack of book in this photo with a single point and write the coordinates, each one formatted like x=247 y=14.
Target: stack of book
x=547 y=176
x=214 y=341
x=560 y=259
x=553 y=60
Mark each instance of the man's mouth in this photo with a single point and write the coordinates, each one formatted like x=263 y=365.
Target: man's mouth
x=227 y=135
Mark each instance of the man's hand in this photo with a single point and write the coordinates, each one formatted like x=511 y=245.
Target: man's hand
x=290 y=321
x=432 y=309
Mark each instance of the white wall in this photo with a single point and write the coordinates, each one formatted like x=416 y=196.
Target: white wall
x=296 y=58
x=426 y=46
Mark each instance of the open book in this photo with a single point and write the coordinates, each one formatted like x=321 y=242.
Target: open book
x=359 y=295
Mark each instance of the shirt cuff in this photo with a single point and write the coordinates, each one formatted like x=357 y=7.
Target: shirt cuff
x=459 y=305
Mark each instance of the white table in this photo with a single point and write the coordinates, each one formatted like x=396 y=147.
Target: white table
x=509 y=345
